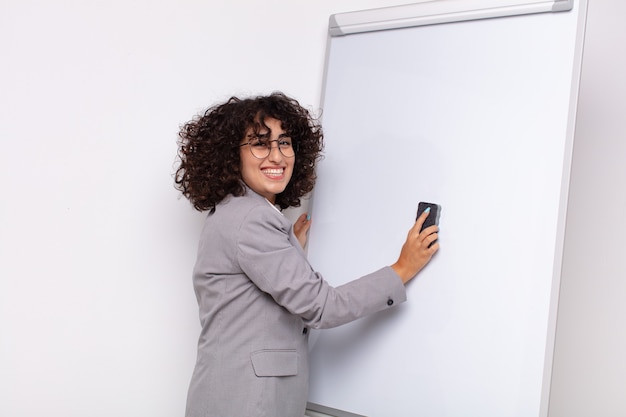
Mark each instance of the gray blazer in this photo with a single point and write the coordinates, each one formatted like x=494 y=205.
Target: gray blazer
x=258 y=296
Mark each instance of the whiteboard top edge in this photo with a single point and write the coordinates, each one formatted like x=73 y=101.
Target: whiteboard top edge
x=436 y=12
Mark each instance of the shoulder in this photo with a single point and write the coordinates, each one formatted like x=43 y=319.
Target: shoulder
x=249 y=208
x=239 y=204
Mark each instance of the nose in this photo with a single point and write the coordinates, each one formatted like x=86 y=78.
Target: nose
x=275 y=153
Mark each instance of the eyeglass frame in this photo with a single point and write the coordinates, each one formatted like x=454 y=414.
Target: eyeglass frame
x=268 y=147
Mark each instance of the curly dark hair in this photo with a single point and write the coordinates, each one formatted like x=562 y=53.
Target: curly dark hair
x=210 y=165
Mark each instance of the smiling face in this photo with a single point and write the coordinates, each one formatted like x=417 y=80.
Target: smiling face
x=268 y=176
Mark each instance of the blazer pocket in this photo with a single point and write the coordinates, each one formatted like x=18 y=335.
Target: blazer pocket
x=275 y=362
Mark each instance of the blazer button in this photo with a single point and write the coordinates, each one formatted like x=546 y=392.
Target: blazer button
x=305 y=330
x=390 y=302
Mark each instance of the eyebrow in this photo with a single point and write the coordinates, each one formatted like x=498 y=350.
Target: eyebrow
x=266 y=135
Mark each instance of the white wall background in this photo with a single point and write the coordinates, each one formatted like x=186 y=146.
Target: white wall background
x=589 y=374
x=97 y=312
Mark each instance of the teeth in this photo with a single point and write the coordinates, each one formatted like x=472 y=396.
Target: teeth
x=268 y=171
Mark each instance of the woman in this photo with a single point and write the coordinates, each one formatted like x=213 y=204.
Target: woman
x=257 y=294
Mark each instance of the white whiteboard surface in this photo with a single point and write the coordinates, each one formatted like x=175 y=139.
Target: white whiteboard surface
x=474 y=116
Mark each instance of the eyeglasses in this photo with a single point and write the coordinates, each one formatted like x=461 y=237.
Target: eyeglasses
x=261 y=149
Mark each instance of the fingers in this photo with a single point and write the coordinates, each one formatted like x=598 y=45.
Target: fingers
x=415 y=232
x=418 y=248
x=431 y=240
x=422 y=218
x=301 y=227
x=429 y=231
x=303 y=222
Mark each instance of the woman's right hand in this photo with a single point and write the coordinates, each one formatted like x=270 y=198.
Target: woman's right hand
x=417 y=250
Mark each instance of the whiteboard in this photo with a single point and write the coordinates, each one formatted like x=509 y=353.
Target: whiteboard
x=475 y=116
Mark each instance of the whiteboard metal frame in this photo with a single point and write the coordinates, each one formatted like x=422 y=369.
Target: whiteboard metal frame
x=436 y=12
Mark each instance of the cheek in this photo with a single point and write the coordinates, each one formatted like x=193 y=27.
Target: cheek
x=244 y=165
x=244 y=173
x=248 y=171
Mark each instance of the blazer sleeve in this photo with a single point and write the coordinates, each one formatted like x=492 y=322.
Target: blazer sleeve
x=268 y=256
